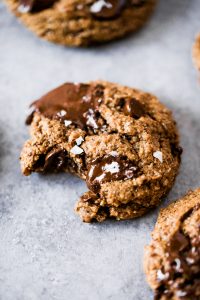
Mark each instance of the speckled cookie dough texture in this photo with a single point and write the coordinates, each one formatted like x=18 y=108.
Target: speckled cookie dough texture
x=172 y=260
x=82 y=22
x=196 y=52
x=122 y=141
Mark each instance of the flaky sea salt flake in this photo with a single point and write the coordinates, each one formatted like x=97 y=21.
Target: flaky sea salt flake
x=62 y=113
x=76 y=150
x=67 y=122
x=112 y=168
x=99 y=5
x=158 y=155
x=79 y=140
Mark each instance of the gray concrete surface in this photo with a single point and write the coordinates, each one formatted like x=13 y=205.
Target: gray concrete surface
x=46 y=253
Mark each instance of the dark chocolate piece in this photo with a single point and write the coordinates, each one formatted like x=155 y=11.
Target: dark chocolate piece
x=133 y=108
x=26 y=6
x=176 y=150
x=109 y=168
x=109 y=9
x=55 y=160
x=137 y=2
x=77 y=103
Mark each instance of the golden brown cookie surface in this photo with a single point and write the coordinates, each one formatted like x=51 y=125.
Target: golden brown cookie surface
x=172 y=260
x=84 y=22
x=122 y=141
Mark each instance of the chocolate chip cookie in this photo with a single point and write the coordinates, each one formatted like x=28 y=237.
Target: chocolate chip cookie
x=82 y=22
x=122 y=141
x=196 y=52
x=172 y=261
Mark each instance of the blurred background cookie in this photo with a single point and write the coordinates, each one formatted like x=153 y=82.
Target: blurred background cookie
x=196 y=52
x=82 y=22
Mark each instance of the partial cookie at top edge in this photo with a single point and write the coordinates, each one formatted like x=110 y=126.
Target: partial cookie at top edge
x=172 y=260
x=85 y=22
x=122 y=141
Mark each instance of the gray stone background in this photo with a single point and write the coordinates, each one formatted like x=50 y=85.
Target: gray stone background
x=46 y=252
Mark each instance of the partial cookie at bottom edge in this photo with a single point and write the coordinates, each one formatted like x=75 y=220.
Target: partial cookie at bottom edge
x=172 y=260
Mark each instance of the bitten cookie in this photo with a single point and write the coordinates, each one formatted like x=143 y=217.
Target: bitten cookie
x=196 y=52
x=122 y=141
x=82 y=22
x=172 y=261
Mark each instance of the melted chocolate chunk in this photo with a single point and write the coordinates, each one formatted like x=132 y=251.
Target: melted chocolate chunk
x=178 y=242
x=55 y=160
x=181 y=277
x=71 y=103
x=137 y=2
x=109 y=168
x=133 y=108
x=26 y=6
x=109 y=9
x=29 y=119
x=176 y=150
